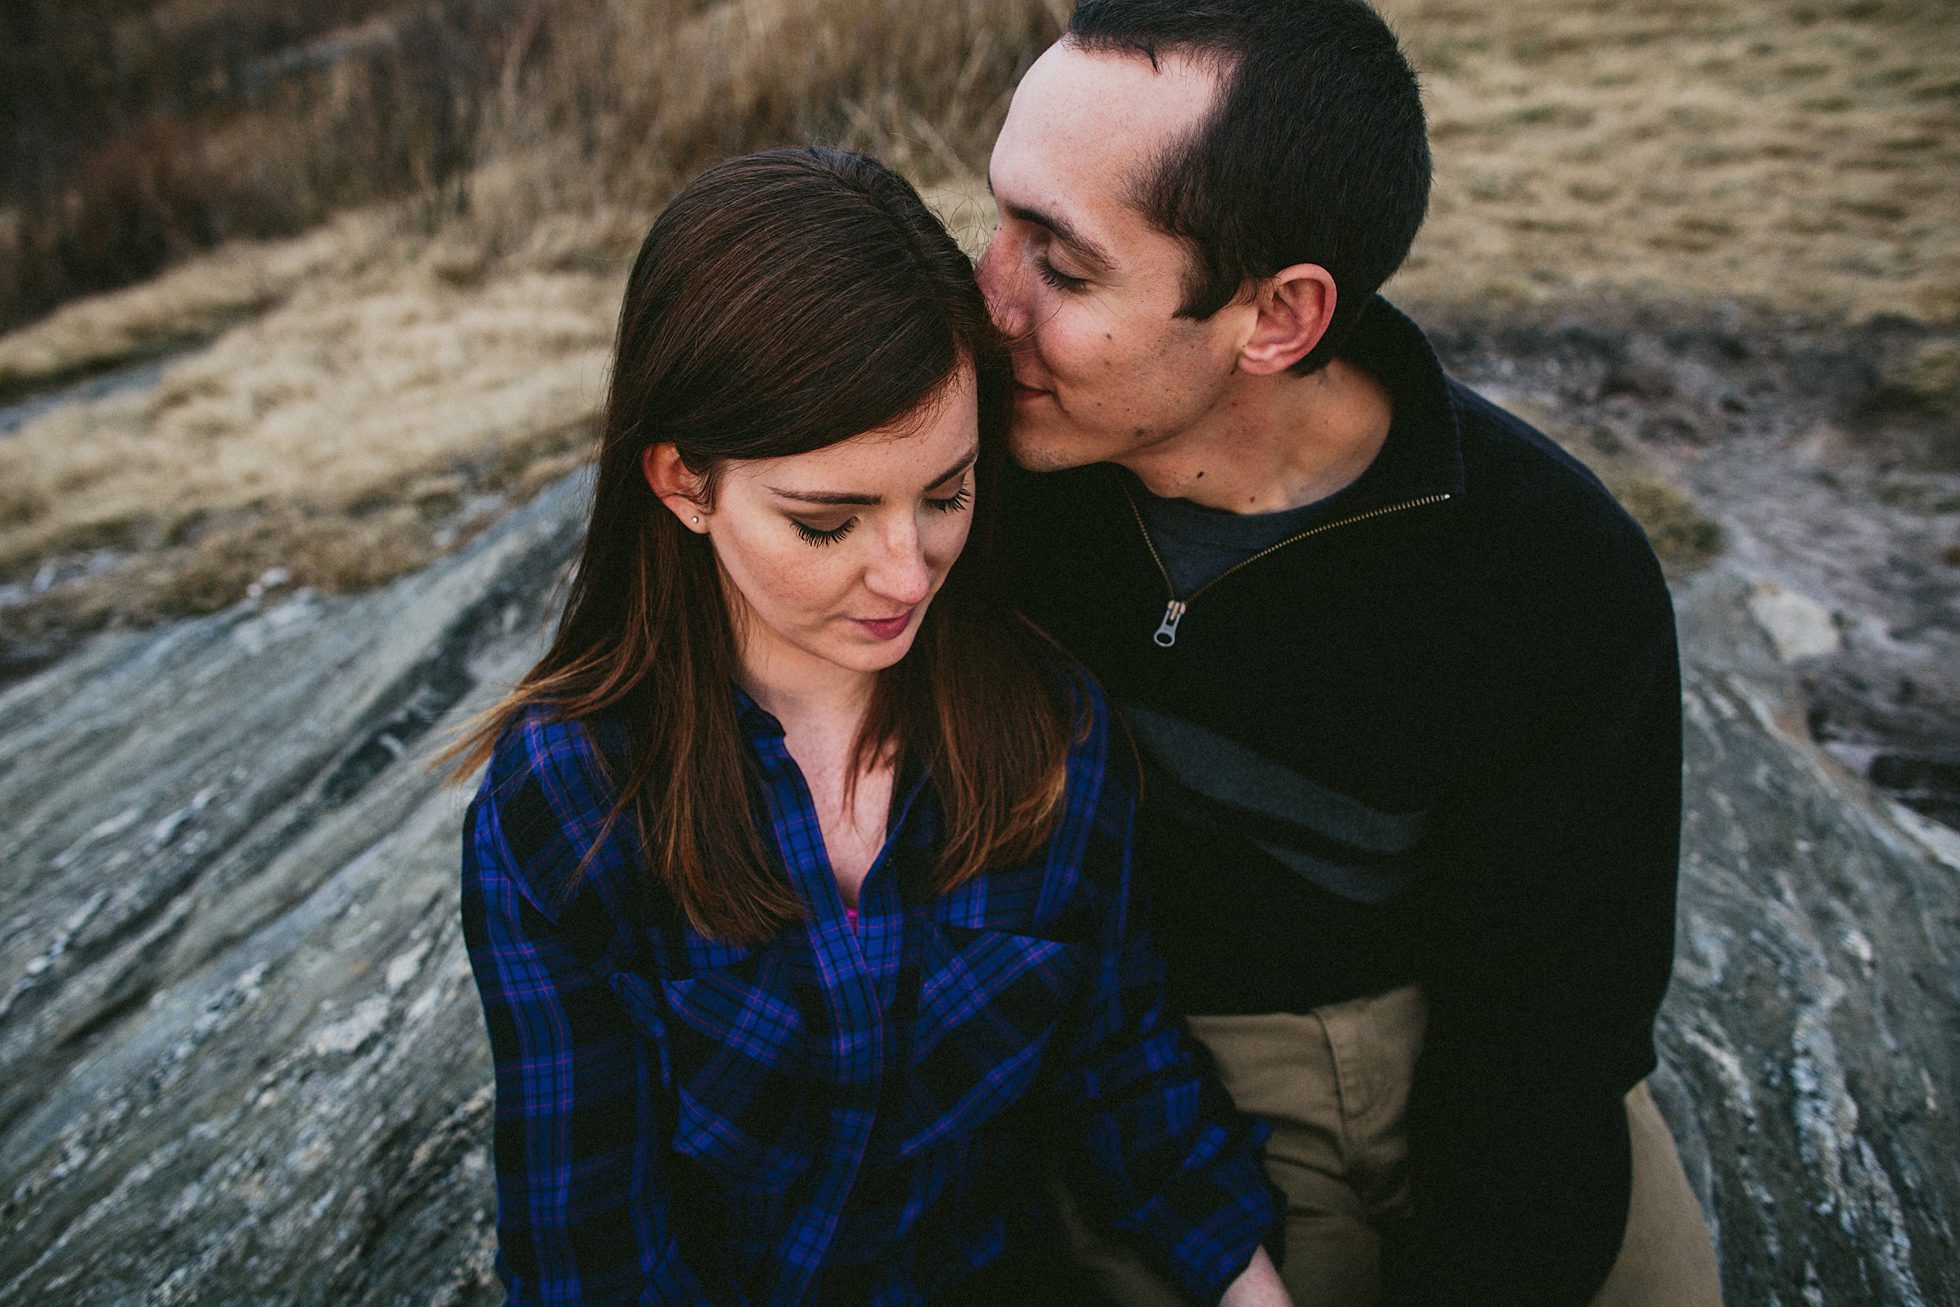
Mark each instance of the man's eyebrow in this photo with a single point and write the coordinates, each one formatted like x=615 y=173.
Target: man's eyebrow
x=847 y=498
x=1061 y=228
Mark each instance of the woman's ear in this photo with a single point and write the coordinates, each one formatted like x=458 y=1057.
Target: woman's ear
x=676 y=487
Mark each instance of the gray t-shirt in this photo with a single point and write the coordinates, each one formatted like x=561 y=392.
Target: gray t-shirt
x=1197 y=543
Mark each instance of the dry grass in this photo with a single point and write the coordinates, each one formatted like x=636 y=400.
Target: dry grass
x=371 y=384
x=146 y=131
x=633 y=98
x=389 y=381
x=187 y=304
x=342 y=436
x=1801 y=155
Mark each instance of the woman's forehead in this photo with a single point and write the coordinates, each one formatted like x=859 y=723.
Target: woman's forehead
x=905 y=457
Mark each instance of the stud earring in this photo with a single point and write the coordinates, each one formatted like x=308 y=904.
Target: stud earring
x=695 y=520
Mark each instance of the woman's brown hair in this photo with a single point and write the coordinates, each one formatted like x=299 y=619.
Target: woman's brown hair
x=784 y=302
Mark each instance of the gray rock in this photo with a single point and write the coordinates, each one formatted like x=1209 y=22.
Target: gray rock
x=240 y=1053
x=241 y=1059
x=1809 y=1037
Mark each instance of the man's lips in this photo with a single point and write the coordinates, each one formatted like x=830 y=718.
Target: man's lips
x=1022 y=390
x=888 y=628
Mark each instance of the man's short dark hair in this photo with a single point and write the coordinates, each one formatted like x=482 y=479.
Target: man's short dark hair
x=1316 y=151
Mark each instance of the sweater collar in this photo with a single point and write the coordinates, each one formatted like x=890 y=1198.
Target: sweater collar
x=1423 y=454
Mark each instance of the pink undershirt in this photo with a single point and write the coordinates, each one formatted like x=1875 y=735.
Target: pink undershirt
x=851 y=915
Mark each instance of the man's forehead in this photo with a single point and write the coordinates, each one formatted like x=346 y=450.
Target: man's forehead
x=1125 y=88
x=1084 y=125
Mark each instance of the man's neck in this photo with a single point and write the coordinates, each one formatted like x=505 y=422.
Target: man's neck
x=1274 y=442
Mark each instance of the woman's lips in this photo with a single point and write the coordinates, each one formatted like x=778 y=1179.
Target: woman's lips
x=1023 y=391
x=889 y=628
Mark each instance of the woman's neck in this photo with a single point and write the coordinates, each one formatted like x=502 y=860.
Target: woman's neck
x=814 y=701
x=821 y=710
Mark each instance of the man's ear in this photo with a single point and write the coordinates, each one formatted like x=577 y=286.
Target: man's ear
x=676 y=487
x=1294 y=306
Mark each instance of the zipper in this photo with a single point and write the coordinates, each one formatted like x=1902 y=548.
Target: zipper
x=1166 y=634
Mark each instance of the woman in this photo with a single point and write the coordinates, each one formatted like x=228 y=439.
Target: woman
x=799 y=944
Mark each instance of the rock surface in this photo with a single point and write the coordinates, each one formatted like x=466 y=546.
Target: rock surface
x=241 y=1059
x=1808 y=1042
x=240 y=1053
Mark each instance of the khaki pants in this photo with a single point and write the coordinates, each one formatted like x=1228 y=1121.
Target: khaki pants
x=1335 y=1085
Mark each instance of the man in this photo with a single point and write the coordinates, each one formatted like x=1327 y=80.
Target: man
x=1403 y=674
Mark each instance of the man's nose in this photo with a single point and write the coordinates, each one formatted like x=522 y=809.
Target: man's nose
x=898 y=571
x=1000 y=284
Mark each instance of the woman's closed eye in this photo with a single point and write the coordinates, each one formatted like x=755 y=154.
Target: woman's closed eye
x=821 y=536
x=955 y=502
x=830 y=535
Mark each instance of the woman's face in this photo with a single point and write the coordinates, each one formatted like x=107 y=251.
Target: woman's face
x=830 y=558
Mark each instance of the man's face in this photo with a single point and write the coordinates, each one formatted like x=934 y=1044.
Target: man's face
x=1104 y=370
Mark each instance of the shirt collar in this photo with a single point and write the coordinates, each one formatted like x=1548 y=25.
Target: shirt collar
x=757 y=722
x=766 y=737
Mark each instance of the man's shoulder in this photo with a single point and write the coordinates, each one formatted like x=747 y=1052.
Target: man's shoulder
x=1531 y=529
x=1514 y=460
x=1073 y=515
x=1529 y=491
x=1027 y=495
x=1540 y=534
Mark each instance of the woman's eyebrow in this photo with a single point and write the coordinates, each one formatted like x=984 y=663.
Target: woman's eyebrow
x=849 y=498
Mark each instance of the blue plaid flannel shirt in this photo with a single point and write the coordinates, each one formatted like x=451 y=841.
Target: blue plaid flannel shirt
x=838 y=1113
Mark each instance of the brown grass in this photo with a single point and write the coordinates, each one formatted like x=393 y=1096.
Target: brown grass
x=1800 y=155
x=339 y=436
x=188 y=304
x=143 y=132
x=390 y=380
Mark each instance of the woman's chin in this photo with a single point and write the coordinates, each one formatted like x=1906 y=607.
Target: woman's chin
x=875 y=655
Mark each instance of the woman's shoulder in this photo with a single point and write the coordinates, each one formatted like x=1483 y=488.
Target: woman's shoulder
x=1097 y=738
x=543 y=745
x=546 y=811
x=1075 y=689
x=1100 y=769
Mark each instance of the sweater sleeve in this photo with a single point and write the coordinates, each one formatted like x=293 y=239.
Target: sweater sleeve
x=1547 y=940
x=1149 y=1140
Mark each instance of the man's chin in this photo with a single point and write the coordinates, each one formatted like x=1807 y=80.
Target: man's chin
x=1037 y=451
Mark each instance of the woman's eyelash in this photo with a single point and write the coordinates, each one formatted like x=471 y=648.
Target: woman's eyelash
x=953 y=503
x=811 y=535
x=1056 y=277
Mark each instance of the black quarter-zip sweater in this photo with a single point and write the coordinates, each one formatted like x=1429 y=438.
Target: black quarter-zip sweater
x=1434 y=739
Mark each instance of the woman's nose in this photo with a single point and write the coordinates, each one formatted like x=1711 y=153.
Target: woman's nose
x=899 y=571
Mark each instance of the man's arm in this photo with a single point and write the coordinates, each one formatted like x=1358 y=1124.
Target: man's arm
x=1548 y=916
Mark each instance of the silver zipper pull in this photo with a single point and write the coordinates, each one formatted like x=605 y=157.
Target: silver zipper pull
x=1167 y=629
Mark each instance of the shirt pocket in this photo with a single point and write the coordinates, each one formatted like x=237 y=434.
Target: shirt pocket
x=989 y=1003
x=739 y=1049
